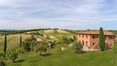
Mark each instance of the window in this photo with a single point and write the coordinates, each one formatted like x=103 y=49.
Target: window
x=93 y=43
x=86 y=36
x=83 y=42
x=110 y=44
x=82 y=35
x=111 y=37
x=86 y=44
x=93 y=37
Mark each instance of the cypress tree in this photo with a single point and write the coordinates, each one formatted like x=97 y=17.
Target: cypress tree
x=20 y=40
x=101 y=40
x=115 y=48
x=5 y=44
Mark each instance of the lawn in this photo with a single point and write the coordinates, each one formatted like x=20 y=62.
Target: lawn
x=66 y=58
x=58 y=57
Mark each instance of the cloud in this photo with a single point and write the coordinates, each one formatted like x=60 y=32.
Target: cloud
x=27 y=14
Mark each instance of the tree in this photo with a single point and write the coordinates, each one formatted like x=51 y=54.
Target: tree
x=101 y=40
x=20 y=40
x=5 y=45
x=13 y=55
x=33 y=42
x=41 y=48
x=65 y=40
x=78 y=47
x=71 y=39
x=33 y=38
x=51 y=44
x=115 y=48
x=29 y=44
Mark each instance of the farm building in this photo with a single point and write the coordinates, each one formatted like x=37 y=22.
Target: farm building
x=90 y=39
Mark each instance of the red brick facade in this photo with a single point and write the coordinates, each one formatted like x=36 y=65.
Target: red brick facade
x=90 y=40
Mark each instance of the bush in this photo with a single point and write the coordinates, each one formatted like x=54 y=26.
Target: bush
x=71 y=39
x=51 y=44
x=1 y=60
x=41 y=48
x=78 y=47
x=13 y=55
x=65 y=40
x=2 y=63
x=26 y=45
x=29 y=44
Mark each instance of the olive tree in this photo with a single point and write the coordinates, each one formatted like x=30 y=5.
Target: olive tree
x=41 y=48
x=78 y=47
x=29 y=44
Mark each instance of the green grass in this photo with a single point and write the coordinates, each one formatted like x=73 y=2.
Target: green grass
x=67 y=58
x=58 y=57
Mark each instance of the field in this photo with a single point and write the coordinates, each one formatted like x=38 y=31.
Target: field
x=67 y=58
x=57 y=57
x=12 y=40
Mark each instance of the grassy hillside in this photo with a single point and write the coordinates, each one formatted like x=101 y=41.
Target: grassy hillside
x=57 y=57
x=13 y=40
x=67 y=58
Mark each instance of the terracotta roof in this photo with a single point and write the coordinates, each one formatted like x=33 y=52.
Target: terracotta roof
x=95 y=32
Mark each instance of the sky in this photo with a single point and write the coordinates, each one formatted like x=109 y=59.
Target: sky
x=64 y=14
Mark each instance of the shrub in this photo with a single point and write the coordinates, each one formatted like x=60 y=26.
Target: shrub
x=78 y=47
x=67 y=40
x=29 y=44
x=41 y=48
x=1 y=60
x=51 y=44
x=2 y=63
x=13 y=55
x=26 y=45
x=71 y=39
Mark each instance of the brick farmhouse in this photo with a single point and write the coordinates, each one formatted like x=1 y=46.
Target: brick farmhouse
x=90 y=40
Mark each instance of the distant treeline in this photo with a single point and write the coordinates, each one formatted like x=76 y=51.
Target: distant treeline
x=73 y=31
x=114 y=31
x=23 y=31
x=2 y=32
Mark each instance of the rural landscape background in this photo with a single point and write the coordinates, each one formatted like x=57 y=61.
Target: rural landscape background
x=43 y=32
x=56 y=56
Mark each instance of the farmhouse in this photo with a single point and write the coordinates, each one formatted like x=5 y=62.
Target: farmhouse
x=90 y=40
